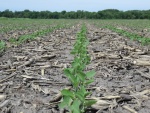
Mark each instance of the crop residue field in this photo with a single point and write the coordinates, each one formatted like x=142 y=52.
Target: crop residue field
x=34 y=53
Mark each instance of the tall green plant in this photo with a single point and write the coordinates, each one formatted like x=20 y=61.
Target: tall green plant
x=74 y=99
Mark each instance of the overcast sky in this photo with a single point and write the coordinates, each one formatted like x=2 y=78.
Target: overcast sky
x=73 y=5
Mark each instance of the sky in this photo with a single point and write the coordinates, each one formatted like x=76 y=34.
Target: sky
x=74 y=5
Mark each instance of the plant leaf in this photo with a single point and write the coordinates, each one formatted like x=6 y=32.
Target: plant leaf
x=90 y=74
x=66 y=102
x=87 y=93
x=80 y=96
x=67 y=71
x=82 y=76
x=67 y=92
x=72 y=78
x=83 y=90
x=88 y=81
x=89 y=102
x=75 y=106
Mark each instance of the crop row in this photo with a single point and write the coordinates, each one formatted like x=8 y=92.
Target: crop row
x=33 y=35
x=130 y=35
x=36 y=34
x=10 y=25
x=135 y=25
x=119 y=25
x=75 y=99
x=13 y=28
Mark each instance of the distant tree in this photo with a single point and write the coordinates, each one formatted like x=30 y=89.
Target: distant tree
x=34 y=15
x=26 y=13
x=55 y=15
x=79 y=14
x=62 y=14
x=7 y=13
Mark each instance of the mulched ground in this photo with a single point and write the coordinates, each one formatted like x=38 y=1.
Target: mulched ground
x=31 y=74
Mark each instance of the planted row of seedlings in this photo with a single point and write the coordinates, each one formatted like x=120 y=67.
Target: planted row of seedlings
x=34 y=35
x=129 y=28
x=129 y=24
x=74 y=99
x=132 y=36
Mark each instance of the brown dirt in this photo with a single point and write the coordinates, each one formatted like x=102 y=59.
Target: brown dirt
x=31 y=74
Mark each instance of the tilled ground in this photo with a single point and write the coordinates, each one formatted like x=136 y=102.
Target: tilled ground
x=31 y=75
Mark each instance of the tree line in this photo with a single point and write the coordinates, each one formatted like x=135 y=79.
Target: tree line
x=79 y=14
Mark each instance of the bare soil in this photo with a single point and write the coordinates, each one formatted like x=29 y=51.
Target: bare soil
x=31 y=74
